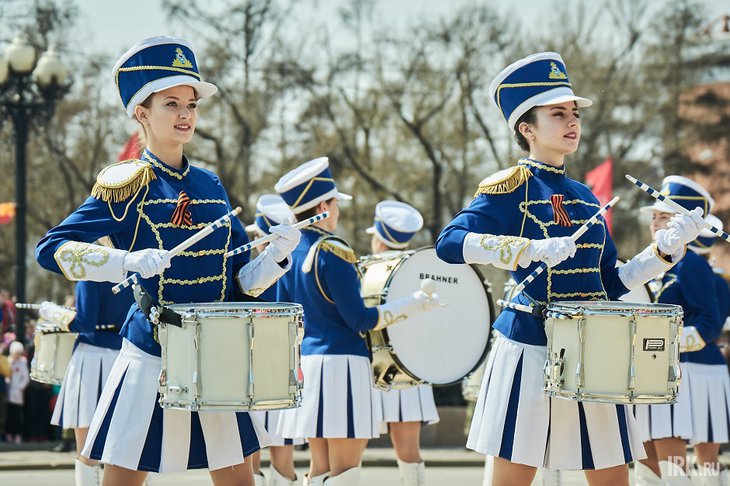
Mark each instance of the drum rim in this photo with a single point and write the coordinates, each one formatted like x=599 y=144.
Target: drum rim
x=392 y=352
x=239 y=309
x=611 y=307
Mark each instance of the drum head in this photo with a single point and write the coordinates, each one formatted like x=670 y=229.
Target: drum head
x=443 y=345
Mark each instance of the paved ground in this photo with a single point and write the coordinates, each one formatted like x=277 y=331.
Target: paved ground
x=380 y=476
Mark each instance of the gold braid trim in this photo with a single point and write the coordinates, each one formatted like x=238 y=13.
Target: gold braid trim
x=346 y=253
x=109 y=190
x=515 y=177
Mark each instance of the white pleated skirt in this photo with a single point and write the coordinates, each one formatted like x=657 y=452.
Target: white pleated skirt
x=515 y=420
x=131 y=430
x=338 y=400
x=670 y=420
x=82 y=385
x=710 y=392
x=270 y=419
x=414 y=404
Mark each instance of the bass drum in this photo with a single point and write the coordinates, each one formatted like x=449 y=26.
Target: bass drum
x=438 y=347
x=470 y=384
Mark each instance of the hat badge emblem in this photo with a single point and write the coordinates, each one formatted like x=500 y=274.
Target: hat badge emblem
x=180 y=60
x=555 y=72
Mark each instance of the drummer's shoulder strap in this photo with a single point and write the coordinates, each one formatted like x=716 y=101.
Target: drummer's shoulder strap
x=331 y=244
x=118 y=182
x=504 y=181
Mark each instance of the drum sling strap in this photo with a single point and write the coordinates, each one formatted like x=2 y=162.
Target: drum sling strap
x=154 y=311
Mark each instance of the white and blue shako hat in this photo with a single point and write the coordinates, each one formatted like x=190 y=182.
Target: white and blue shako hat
x=685 y=192
x=271 y=210
x=536 y=80
x=155 y=64
x=308 y=185
x=707 y=238
x=395 y=223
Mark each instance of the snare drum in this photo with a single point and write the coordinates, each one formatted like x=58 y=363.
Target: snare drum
x=53 y=352
x=232 y=356
x=438 y=347
x=614 y=352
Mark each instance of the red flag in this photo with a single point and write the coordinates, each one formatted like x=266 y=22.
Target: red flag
x=7 y=212
x=600 y=180
x=131 y=148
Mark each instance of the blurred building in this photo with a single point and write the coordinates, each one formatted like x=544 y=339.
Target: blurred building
x=706 y=105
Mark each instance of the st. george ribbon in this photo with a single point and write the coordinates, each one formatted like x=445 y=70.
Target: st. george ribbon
x=543 y=266
x=268 y=238
x=218 y=223
x=661 y=197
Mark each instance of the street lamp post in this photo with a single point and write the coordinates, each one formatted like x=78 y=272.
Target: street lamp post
x=27 y=89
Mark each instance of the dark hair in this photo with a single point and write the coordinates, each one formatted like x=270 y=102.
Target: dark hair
x=142 y=135
x=311 y=211
x=530 y=116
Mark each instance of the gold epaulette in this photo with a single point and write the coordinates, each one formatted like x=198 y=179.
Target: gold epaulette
x=340 y=248
x=504 y=181
x=118 y=182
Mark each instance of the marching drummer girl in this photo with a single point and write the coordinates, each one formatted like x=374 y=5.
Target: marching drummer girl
x=98 y=317
x=404 y=410
x=272 y=210
x=701 y=414
x=521 y=217
x=147 y=207
x=339 y=412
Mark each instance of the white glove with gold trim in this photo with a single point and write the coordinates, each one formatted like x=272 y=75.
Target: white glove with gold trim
x=148 y=262
x=550 y=250
x=690 y=340
x=401 y=309
x=56 y=315
x=681 y=230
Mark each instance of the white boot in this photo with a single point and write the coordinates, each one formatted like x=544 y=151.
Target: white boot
x=412 y=473
x=259 y=479
x=87 y=475
x=276 y=479
x=315 y=481
x=644 y=476
x=351 y=477
x=704 y=477
x=673 y=475
x=547 y=477
x=488 y=470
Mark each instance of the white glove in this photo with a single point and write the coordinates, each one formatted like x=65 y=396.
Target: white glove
x=54 y=314
x=681 y=229
x=288 y=239
x=550 y=250
x=401 y=309
x=148 y=262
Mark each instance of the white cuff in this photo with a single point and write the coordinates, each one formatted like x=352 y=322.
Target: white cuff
x=85 y=261
x=645 y=266
x=690 y=340
x=260 y=273
x=501 y=251
x=397 y=311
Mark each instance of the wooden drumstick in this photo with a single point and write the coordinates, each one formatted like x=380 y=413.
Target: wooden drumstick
x=678 y=208
x=543 y=266
x=218 y=223
x=270 y=237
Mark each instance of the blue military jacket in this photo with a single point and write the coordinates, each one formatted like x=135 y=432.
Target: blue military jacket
x=96 y=305
x=691 y=284
x=723 y=296
x=334 y=313
x=143 y=220
x=538 y=201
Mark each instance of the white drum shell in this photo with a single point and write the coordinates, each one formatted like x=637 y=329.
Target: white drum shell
x=230 y=356
x=52 y=355
x=613 y=352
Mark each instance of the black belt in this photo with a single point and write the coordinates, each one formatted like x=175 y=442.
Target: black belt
x=155 y=312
